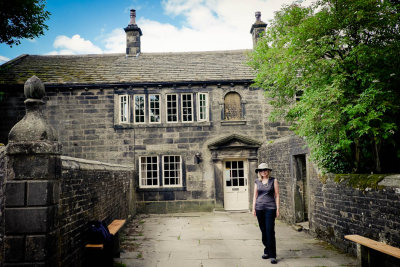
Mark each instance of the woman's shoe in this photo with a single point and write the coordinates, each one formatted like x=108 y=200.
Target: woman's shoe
x=273 y=261
x=265 y=256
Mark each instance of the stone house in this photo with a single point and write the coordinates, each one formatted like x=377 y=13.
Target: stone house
x=193 y=130
x=190 y=123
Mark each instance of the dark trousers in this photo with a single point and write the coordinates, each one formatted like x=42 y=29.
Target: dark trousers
x=266 y=221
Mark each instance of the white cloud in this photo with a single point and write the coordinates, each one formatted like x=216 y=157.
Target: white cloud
x=74 y=45
x=3 y=59
x=115 y=42
x=208 y=25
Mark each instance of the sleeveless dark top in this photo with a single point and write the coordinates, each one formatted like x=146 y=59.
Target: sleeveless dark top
x=266 y=195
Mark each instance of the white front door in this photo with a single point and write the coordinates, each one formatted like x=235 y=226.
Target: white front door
x=236 y=195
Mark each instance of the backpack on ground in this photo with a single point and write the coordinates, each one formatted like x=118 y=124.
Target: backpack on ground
x=98 y=233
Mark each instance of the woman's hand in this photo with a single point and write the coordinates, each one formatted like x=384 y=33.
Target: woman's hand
x=277 y=213
x=254 y=212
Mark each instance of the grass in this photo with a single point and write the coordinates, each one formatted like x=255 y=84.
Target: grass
x=319 y=257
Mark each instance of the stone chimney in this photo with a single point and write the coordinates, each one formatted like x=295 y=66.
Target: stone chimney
x=133 y=33
x=257 y=29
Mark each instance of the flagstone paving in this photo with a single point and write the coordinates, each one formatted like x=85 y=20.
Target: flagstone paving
x=218 y=239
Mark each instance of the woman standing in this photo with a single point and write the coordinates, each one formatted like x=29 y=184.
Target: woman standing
x=266 y=208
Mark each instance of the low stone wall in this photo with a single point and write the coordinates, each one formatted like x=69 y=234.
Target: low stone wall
x=340 y=209
x=90 y=190
x=335 y=208
x=2 y=182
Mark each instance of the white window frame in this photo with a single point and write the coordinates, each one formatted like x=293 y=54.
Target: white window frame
x=177 y=108
x=191 y=107
x=123 y=108
x=199 y=106
x=179 y=168
x=159 y=108
x=144 y=109
x=141 y=178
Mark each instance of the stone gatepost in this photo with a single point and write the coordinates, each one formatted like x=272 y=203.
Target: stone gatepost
x=32 y=186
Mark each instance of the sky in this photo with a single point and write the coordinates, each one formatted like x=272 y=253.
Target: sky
x=96 y=26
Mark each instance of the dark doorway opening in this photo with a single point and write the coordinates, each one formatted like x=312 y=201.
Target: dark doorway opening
x=300 y=191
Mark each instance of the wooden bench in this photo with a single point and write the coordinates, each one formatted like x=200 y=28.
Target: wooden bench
x=113 y=228
x=374 y=253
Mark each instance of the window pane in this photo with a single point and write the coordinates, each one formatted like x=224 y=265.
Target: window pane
x=139 y=108
x=124 y=108
x=236 y=171
x=235 y=182
x=154 y=108
x=172 y=108
x=203 y=107
x=148 y=171
x=187 y=108
x=172 y=170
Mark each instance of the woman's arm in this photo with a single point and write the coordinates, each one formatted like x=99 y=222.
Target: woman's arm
x=276 y=196
x=255 y=195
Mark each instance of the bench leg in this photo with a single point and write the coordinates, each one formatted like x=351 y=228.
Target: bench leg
x=116 y=247
x=363 y=256
x=368 y=257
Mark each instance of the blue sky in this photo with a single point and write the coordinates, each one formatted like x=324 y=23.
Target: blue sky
x=96 y=26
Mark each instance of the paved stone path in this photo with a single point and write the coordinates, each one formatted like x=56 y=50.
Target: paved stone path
x=218 y=240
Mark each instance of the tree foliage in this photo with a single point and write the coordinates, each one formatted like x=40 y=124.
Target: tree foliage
x=343 y=58
x=22 y=19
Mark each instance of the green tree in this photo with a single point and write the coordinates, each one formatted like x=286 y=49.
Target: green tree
x=21 y=19
x=342 y=60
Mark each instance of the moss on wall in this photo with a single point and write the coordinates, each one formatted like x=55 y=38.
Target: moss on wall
x=360 y=181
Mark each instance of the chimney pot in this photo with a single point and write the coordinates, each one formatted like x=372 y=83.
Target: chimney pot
x=258 y=28
x=258 y=15
x=133 y=33
x=133 y=17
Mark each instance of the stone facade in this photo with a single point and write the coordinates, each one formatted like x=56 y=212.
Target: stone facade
x=333 y=209
x=85 y=121
x=90 y=190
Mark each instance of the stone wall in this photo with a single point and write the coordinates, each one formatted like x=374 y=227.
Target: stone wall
x=90 y=190
x=335 y=209
x=49 y=199
x=279 y=155
x=2 y=183
x=339 y=210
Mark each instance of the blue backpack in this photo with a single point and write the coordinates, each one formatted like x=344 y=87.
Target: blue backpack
x=98 y=233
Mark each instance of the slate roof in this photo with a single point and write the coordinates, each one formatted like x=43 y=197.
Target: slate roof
x=117 y=68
